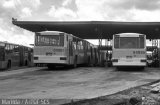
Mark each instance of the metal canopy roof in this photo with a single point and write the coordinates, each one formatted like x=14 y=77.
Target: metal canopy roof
x=93 y=29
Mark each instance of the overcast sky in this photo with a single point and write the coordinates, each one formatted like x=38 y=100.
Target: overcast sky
x=68 y=10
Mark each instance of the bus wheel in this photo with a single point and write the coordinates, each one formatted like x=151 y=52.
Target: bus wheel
x=118 y=68
x=142 y=68
x=9 y=64
x=51 y=66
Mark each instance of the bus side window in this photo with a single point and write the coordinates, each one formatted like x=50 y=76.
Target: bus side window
x=67 y=37
x=77 y=44
x=82 y=45
x=11 y=48
x=116 y=42
x=141 y=42
x=61 y=40
x=31 y=50
x=16 y=49
x=88 y=46
x=7 y=48
x=74 y=43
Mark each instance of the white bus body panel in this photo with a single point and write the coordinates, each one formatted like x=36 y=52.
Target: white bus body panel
x=54 y=55
x=50 y=59
x=129 y=62
x=129 y=34
x=129 y=57
x=75 y=50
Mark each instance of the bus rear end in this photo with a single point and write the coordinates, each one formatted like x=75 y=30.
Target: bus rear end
x=129 y=50
x=50 y=48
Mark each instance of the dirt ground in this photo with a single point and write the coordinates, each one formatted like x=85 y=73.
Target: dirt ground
x=65 y=85
x=140 y=95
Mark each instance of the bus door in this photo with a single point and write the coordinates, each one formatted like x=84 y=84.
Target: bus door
x=70 y=51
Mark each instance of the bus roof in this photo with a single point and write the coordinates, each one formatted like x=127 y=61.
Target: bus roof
x=51 y=32
x=5 y=42
x=58 y=33
x=129 y=34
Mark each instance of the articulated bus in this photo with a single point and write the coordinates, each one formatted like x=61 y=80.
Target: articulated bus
x=14 y=55
x=55 y=48
x=129 y=49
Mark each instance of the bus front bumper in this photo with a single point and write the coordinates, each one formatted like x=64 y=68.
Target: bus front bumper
x=129 y=63
x=53 y=60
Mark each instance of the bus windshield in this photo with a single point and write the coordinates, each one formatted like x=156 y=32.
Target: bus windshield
x=49 y=40
x=129 y=42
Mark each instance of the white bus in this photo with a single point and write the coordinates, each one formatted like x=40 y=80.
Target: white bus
x=129 y=49
x=56 y=48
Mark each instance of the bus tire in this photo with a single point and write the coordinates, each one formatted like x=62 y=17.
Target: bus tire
x=142 y=68
x=9 y=64
x=50 y=66
x=118 y=68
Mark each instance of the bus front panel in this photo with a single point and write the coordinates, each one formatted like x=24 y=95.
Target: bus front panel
x=130 y=57
x=129 y=50
x=50 y=49
x=50 y=54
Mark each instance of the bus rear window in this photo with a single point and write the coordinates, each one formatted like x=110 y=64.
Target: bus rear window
x=129 y=42
x=49 y=40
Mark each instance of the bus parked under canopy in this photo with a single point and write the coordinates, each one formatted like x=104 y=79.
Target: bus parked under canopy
x=129 y=49
x=56 y=48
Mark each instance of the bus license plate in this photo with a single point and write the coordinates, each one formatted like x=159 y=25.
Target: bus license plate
x=129 y=57
x=49 y=54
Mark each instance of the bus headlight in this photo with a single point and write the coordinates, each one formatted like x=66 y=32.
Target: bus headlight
x=35 y=58
x=63 y=58
x=114 y=60
x=143 y=60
